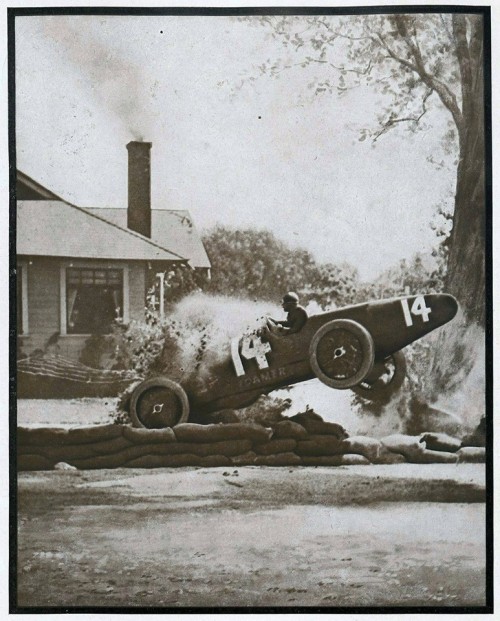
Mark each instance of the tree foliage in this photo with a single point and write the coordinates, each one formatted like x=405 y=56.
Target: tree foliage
x=253 y=263
x=420 y=274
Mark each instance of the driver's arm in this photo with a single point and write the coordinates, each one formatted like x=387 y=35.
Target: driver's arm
x=296 y=322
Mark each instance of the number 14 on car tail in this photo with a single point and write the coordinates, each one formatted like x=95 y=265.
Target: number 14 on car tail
x=418 y=309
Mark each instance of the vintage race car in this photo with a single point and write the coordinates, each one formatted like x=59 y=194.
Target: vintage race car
x=356 y=347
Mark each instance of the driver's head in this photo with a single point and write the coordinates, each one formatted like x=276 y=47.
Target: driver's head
x=289 y=301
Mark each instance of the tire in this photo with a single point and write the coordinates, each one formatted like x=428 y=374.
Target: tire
x=158 y=403
x=388 y=383
x=342 y=353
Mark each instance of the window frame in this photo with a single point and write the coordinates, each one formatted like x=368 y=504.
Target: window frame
x=98 y=265
x=22 y=275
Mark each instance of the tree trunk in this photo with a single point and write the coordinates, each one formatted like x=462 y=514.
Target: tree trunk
x=466 y=262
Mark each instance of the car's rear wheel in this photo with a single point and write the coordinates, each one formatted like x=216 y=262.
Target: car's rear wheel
x=157 y=403
x=342 y=353
x=387 y=382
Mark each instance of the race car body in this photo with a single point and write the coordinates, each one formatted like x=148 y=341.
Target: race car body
x=356 y=347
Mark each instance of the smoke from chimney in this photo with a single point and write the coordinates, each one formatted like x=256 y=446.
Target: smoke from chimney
x=139 y=187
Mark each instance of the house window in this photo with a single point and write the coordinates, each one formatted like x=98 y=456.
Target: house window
x=94 y=299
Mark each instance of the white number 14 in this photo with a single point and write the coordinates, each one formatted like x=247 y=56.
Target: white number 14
x=418 y=309
x=251 y=347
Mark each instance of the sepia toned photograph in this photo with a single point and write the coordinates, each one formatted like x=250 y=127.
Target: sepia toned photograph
x=251 y=349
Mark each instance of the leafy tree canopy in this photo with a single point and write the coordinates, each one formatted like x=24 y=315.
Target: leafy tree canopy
x=255 y=264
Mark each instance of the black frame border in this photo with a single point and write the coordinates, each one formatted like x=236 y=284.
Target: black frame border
x=12 y=13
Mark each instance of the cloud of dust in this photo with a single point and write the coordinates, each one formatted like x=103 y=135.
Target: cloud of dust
x=203 y=325
x=444 y=389
x=461 y=368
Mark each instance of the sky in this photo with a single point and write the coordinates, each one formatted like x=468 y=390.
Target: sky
x=266 y=155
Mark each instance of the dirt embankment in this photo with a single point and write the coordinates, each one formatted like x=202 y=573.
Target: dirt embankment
x=405 y=535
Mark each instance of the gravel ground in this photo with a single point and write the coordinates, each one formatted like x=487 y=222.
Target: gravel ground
x=400 y=535
x=64 y=412
x=406 y=535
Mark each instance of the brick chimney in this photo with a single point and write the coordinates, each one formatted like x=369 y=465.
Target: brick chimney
x=139 y=187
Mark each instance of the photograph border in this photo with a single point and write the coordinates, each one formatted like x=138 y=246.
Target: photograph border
x=12 y=14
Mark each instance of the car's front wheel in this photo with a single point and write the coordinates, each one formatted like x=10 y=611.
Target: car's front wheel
x=157 y=403
x=342 y=353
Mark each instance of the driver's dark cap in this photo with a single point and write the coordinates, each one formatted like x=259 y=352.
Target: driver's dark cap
x=291 y=297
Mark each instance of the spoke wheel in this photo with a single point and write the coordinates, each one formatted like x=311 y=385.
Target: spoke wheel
x=342 y=353
x=387 y=383
x=158 y=403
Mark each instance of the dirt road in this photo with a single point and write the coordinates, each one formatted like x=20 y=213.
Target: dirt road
x=405 y=535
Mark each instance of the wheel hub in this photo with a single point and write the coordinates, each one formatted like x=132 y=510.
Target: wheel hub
x=340 y=354
x=159 y=407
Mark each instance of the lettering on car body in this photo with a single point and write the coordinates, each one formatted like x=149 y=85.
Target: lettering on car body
x=261 y=378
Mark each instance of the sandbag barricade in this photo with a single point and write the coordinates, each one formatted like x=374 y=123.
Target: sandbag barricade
x=286 y=443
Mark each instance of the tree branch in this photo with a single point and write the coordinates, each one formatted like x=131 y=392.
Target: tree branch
x=445 y=95
x=410 y=119
x=446 y=28
x=364 y=71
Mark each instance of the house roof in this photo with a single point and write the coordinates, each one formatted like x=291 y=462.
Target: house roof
x=59 y=229
x=29 y=189
x=171 y=228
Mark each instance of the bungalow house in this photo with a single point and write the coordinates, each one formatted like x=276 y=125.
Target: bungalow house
x=79 y=269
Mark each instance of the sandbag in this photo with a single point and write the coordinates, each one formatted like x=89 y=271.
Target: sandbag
x=164 y=461
x=478 y=436
x=95 y=433
x=387 y=457
x=400 y=443
x=247 y=459
x=57 y=436
x=46 y=436
x=282 y=459
x=288 y=429
x=215 y=461
x=414 y=451
x=227 y=448
x=316 y=427
x=471 y=455
x=34 y=462
x=80 y=451
x=354 y=459
x=433 y=457
x=361 y=445
x=440 y=442
x=285 y=445
x=62 y=465
x=191 y=432
x=320 y=445
x=474 y=439
x=308 y=415
x=115 y=460
x=335 y=460
x=314 y=424
x=148 y=436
